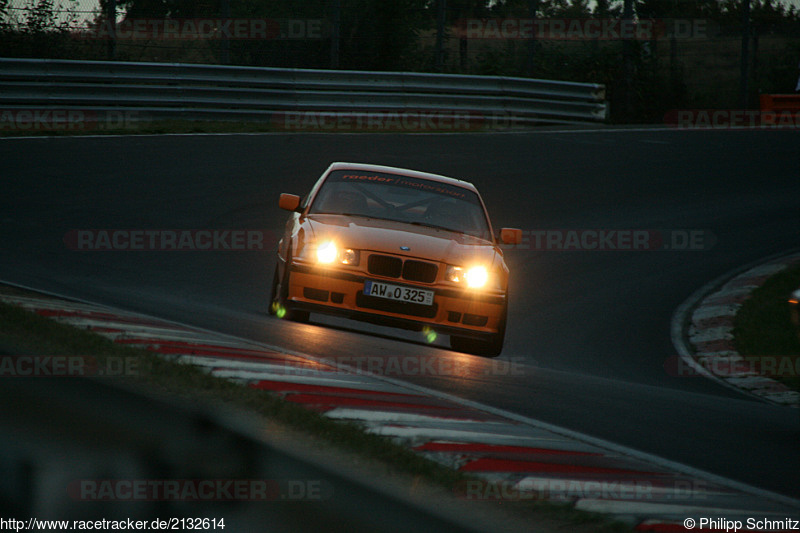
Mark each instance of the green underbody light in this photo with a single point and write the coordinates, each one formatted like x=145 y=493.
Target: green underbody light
x=430 y=335
x=278 y=309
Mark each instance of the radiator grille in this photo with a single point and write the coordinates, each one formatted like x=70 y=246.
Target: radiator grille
x=419 y=271
x=385 y=265
x=394 y=267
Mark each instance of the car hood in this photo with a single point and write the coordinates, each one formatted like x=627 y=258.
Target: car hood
x=387 y=236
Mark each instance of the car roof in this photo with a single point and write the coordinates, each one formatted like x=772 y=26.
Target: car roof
x=404 y=172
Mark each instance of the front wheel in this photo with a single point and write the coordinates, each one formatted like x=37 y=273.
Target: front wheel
x=278 y=300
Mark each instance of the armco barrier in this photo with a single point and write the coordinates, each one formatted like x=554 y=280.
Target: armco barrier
x=207 y=92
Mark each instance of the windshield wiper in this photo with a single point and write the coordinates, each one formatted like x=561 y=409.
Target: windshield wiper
x=344 y=214
x=415 y=223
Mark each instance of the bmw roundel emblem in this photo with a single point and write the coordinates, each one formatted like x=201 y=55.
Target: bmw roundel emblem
x=405 y=248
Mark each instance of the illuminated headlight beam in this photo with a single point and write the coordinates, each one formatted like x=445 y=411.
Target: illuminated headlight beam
x=327 y=252
x=476 y=277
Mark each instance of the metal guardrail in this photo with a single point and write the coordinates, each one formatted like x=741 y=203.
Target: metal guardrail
x=206 y=92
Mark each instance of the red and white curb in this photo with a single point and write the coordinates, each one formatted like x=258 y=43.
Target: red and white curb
x=710 y=334
x=510 y=457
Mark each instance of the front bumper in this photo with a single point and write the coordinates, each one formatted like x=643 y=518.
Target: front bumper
x=329 y=290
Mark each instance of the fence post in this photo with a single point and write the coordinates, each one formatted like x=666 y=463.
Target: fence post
x=111 y=14
x=225 y=51
x=441 y=6
x=627 y=62
x=533 y=7
x=336 y=23
x=745 y=59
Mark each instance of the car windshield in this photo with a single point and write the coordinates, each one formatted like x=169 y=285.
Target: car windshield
x=402 y=199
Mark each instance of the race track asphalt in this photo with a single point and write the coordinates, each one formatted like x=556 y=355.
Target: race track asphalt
x=589 y=331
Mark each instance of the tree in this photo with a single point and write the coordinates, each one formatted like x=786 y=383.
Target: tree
x=460 y=10
x=137 y=9
x=381 y=35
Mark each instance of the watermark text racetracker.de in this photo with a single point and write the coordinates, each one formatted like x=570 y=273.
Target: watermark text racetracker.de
x=635 y=240
x=69 y=366
x=192 y=29
x=687 y=119
x=583 y=29
x=558 y=489
x=769 y=366
x=400 y=121
x=89 y=240
x=161 y=240
x=200 y=490
x=411 y=365
x=67 y=120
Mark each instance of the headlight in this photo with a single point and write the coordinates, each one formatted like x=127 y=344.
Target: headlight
x=349 y=257
x=328 y=253
x=474 y=277
x=454 y=274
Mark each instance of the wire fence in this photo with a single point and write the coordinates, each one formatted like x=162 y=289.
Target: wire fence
x=651 y=64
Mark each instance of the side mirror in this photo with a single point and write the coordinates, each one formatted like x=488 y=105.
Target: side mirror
x=511 y=236
x=290 y=202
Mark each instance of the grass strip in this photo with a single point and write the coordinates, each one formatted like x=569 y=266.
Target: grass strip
x=763 y=329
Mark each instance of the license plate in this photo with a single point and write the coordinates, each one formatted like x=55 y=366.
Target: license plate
x=398 y=293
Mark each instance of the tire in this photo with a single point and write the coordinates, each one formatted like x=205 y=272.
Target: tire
x=279 y=298
x=488 y=348
x=273 y=295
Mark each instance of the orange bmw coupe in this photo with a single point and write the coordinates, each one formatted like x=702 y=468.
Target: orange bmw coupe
x=399 y=248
